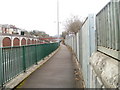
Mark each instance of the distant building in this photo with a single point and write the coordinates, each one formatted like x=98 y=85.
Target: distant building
x=9 y=29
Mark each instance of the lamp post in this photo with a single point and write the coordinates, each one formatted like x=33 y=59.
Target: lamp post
x=58 y=18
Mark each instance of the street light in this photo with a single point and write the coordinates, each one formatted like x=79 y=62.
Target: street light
x=58 y=17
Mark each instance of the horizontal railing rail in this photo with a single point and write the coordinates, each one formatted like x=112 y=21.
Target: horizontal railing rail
x=16 y=60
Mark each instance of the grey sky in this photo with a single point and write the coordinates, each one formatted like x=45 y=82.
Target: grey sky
x=41 y=14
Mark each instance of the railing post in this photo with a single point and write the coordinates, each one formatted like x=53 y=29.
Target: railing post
x=24 y=63
x=1 y=69
x=36 y=54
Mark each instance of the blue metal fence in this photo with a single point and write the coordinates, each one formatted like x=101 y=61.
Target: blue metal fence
x=83 y=45
x=108 y=29
x=104 y=36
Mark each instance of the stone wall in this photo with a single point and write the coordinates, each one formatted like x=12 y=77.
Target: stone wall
x=105 y=71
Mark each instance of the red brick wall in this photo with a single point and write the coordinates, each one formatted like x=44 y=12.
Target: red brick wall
x=23 y=41
x=28 y=41
x=6 y=42
x=33 y=41
x=16 y=42
x=38 y=42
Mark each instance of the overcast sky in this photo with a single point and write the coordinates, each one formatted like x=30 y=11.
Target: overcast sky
x=42 y=14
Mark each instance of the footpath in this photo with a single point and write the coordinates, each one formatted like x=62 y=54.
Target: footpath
x=58 y=72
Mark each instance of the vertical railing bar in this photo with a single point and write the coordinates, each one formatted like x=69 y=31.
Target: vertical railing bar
x=5 y=67
x=10 y=63
x=1 y=67
x=24 y=63
x=113 y=26
x=109 y=36
x=99 y=33
x=18 y=60
x=100 y=24
x=106 y=27
x=116 y=24
x=115 y=31
x=101 y=29
x=16 y=69
x=27 y=56
x=98 y=37
x=21 y=61
x=104 y=31
x=15 y=62
x=119 y=25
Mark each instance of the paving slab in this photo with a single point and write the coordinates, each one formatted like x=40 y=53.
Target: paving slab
x=58 y=72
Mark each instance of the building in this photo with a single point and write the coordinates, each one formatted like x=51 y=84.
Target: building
x=9 y=29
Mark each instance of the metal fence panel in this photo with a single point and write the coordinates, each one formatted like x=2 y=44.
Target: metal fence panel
x=15 y=60
x=84 y=45
x=88 y=46
x=11 y=63
x=108 y=29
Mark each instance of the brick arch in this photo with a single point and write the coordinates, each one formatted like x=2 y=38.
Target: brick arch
x=28 y=41
x=33 y=41
x=38 y=41
x=16 y=42
x=6 y=42
x=23 y=41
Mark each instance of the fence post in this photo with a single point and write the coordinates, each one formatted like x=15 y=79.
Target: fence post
x=1 y=69
x=36 y=54
x=24 y=63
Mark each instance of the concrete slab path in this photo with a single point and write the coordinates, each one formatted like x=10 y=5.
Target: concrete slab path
x=58 y=72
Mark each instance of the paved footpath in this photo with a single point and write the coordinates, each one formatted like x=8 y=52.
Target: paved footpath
x=58 y=72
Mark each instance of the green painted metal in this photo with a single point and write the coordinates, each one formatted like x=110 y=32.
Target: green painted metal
x=24 y=60
x=36 y=54
x=1 y=69
x=15 y=60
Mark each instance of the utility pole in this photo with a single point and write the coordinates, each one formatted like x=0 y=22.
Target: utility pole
x=58 y=17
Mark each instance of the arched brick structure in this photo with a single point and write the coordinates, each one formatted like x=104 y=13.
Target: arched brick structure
x=38 y=42
x=23 y=41
x=6 y=42
x=16 y=42
x=28 y=41
x=33 y=41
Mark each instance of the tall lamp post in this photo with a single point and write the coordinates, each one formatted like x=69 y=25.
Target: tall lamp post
x=58 y=18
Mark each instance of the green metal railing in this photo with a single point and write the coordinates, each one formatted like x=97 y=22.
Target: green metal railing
x=16 y=60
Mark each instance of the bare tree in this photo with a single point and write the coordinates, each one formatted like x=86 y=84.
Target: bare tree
x=41 y=34
x=64 y=33
x=73 y=24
